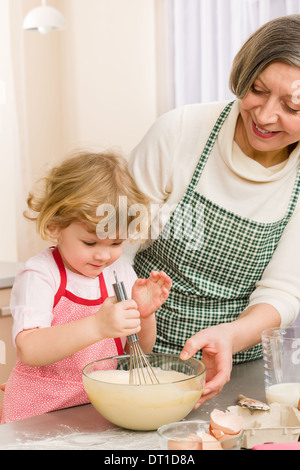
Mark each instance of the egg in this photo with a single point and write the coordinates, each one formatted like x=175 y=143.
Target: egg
x=204 y=441
x=226 y=422
x=209 y=442
x=223 y=432
x=221 y=437
x=192 y=442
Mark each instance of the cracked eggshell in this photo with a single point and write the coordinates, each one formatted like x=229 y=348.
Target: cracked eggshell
x=209 y=442
x=191 y=442
x=203 y=441
x=221 y=437
x=229 y=423
x=280 y=424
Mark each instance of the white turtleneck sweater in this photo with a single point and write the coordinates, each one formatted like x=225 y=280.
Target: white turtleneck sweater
x=163 y=165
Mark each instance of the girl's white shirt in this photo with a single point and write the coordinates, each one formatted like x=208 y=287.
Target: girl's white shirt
x=36 y=284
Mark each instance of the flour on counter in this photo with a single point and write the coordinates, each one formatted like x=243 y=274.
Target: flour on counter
x=112 y=439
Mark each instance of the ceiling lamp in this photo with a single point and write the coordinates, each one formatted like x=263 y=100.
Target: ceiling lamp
x=44 y=19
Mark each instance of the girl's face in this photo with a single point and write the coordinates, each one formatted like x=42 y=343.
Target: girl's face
x=270 y=112
x=84 y=253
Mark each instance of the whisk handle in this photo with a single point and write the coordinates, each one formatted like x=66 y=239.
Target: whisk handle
x=120 y=294
x=120 y=291
x=133 y=338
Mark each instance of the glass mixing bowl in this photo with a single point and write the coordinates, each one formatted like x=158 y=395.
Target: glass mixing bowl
x=181 y=436
x=144 y=407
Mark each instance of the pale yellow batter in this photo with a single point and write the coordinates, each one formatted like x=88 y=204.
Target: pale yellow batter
x=122 y=376
x=143 y=407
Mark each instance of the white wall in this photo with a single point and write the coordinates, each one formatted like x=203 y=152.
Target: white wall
x=93 y=85
x=8 y=245
x=108 y=72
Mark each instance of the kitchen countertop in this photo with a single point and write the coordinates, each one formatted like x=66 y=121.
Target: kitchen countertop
x=82 y=427
x=8 y=272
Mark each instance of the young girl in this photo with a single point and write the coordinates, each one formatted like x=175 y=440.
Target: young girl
x=63 y=305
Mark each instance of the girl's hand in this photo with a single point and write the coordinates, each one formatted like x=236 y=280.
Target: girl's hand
x=117 y=319
x=216 y=345
x=151 y=293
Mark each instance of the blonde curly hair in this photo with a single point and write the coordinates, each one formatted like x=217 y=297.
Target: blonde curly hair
x=74 y=190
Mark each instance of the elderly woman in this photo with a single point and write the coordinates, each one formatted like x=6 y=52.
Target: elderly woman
x=230 y=173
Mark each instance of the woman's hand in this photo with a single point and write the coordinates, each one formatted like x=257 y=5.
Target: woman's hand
x=151 y=293
x=220 y=342
x=216 y=345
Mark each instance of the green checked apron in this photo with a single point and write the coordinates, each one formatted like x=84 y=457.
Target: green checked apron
x=214 y=258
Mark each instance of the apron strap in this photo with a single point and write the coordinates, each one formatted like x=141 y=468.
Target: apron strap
x=62 y=291
x=63 y=284
x=209 y=146
x=119 y=346
x=102 y=285
x=295 y=195
x=63 y=275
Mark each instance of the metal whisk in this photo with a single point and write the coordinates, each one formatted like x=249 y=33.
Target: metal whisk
x=141 y=372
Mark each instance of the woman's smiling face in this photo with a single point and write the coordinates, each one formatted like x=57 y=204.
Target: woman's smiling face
x=270 y=112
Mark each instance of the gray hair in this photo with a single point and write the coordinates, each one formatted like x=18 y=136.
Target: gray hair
x=276 y=41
